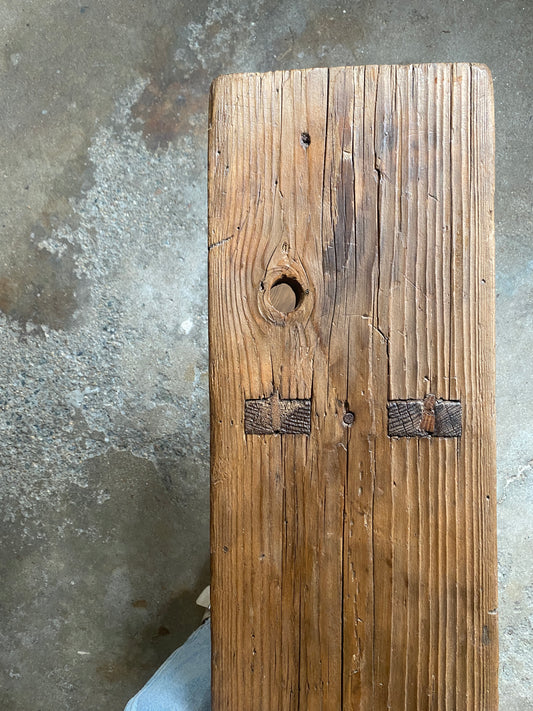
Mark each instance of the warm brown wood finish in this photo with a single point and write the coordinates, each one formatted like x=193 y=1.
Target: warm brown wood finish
x=352 y=569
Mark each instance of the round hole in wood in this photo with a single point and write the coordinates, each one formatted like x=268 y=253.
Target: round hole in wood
x=286 y=294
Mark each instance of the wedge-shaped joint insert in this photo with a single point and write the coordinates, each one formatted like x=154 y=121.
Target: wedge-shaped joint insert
x=425 y=418
x=276 y=416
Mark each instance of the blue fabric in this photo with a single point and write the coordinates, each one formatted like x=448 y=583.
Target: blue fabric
x=183 y=682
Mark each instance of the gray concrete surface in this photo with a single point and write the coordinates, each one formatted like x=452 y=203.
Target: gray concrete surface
x=103 y=396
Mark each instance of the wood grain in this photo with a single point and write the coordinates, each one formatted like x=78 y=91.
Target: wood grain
x=350 y=569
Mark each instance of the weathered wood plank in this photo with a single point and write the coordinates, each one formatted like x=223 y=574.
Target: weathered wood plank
x=351 y=268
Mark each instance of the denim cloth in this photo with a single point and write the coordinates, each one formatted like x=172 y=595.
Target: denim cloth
x=183 y=682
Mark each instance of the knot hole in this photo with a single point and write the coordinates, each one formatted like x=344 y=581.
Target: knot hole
x=286 y=294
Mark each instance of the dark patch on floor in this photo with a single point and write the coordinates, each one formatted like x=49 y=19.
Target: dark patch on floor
x=178 y=89
x=139 y=603
x=41 y=287
x=171 y=98
x=329 y=29
x=165 y=109
x=167 y=629
x=120 y=550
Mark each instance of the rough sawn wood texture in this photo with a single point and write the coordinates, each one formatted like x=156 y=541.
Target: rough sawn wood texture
x=350 y=569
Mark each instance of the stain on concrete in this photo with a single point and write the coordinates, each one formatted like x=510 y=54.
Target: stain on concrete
x=42 y=289
x=161 y=635
x=139 y=604
x=172 y=623
x=164 y=112
x=116 y=540
x=57 y=86
x=169 y=102
x=95 y=401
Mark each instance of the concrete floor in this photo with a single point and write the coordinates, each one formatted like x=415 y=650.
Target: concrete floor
x=104 y=482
